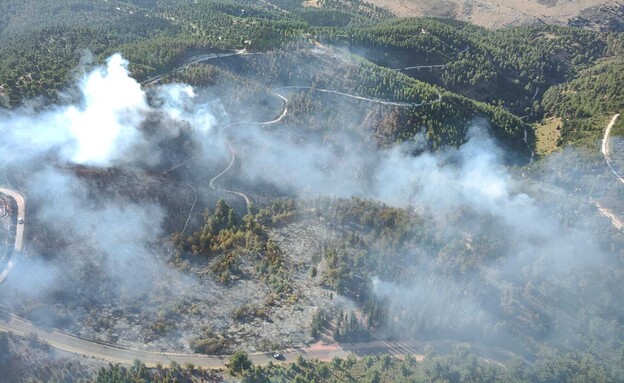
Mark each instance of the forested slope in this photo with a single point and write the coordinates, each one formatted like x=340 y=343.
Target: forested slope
x=585 y=103
x=510 y=68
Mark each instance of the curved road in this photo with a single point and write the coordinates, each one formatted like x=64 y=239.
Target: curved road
x=279 y=119
x=21 y=212
x=19 y=232
x=116 y=354
x=227 y=169
x=616 y=221
x=196 y=60
x=320 y=351
x=605 y=146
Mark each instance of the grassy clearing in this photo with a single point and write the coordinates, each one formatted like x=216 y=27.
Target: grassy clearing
x=547 y=134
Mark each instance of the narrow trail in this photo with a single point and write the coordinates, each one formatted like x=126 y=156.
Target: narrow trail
x=431 y=66
x=227 y=169
x=526 y=142
x=374 y=100
x=526 y=133
x=188 y=219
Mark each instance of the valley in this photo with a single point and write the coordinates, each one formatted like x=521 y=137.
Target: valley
x=254 y=192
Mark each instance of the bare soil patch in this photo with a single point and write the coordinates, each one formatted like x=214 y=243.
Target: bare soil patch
x=311 y=3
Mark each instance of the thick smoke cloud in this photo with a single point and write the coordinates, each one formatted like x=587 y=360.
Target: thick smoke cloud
x=108 y=126
x=114 y=122
x=476 y=205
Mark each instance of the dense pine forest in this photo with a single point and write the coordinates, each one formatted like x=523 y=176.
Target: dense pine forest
x=510 y=69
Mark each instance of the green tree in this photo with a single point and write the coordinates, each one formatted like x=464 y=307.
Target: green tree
x=239 y=362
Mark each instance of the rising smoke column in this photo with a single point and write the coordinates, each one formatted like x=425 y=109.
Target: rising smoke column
x=106 y=127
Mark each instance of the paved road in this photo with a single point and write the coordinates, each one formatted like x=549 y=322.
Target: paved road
x=115 y=354
x=19 y=232
x=21 y=212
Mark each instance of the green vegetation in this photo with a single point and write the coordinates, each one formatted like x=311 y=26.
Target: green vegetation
x=508 y=69
x=399 y=245
x=239 y=363
x=587 y=103
x=209 y=344
x=230 y=238
x=139 y=373
x=460 y=366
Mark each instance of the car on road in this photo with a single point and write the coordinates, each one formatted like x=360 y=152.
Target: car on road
x=20 y=220
x=279 y=356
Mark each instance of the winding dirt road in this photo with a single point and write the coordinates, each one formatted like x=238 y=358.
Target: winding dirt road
x=196 y=60
x=377 y=101
x=279 y=119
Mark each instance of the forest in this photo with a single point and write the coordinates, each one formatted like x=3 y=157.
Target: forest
x=509 y=70
x=413 y=86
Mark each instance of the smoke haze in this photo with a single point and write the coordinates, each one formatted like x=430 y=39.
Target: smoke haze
x=467 y=195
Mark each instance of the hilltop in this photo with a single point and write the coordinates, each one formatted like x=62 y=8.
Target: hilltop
x=594 y=14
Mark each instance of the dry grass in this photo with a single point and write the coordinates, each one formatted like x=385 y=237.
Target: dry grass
x=546 y=134
x=311 y=3
x=494 y=13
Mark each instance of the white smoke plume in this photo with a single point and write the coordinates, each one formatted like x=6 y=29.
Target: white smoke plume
x=106 y=127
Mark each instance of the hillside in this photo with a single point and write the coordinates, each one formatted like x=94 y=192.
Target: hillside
x=585 y=102
x=406 y=199
x=594 y=14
